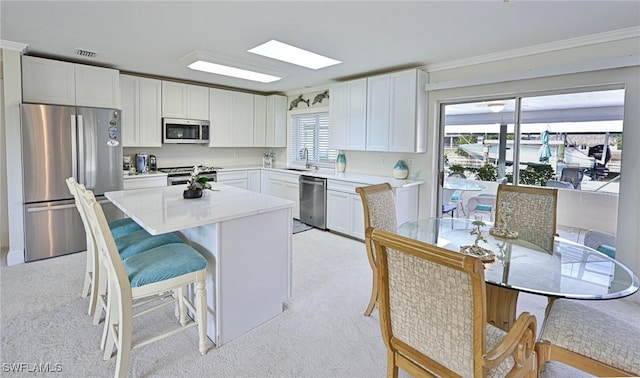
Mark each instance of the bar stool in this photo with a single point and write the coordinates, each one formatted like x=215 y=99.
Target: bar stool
x=166 y=268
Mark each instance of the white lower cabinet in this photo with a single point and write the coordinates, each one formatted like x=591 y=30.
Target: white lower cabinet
x=282 y=185
x=234 y=178
x=145 y=181
x=253 y=175
x=345 y=213
x=407 y=202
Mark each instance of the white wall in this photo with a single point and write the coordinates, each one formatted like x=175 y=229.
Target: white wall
x=4 y=219
x=11 y=205
x=177 y=155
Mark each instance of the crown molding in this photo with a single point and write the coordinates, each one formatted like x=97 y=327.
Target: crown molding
x=630 y=60
x=14 y=46
x=615 y=35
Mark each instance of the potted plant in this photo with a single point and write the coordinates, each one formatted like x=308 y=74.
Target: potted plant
x=196 y=184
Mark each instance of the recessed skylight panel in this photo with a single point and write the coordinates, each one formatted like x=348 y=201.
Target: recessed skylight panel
x=240 y=73
x=294 y=55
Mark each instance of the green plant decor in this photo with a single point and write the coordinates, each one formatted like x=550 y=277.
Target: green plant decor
x=536 y=175
x=487 y=172
x=457 y=168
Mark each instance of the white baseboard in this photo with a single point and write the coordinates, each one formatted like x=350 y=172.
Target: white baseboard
x=15 y=257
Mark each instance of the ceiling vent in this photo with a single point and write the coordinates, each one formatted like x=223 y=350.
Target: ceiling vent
x=85 y=53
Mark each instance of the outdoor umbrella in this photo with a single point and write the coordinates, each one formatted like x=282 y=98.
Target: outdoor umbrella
x=545 y=151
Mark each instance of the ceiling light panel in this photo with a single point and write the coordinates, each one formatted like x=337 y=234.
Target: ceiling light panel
x=206 y=62
x=239 y=73
x=291 y=54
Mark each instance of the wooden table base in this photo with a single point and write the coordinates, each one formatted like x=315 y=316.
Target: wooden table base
x=501 y=306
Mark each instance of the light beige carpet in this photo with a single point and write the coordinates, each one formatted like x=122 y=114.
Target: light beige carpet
x=322 y=333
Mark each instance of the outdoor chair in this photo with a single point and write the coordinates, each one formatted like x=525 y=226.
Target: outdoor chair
x=167 y=268
x=533 y=213
x=482 y=204
x=379 y=204
x=451 y=202
x=572 y=175
x=433 y=314
x=598 y=337
x=601 y=241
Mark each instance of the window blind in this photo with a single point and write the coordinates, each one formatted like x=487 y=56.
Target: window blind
x=311 y=131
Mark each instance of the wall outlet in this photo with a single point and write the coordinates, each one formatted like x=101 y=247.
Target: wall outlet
x=410 y=161
x=235 y=153
x=382 y=159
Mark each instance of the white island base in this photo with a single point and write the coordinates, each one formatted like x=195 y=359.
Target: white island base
x=250 y=265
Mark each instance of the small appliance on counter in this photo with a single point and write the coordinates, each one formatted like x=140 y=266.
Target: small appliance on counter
x=126 y=162
x=153 y=163
x=142 y=163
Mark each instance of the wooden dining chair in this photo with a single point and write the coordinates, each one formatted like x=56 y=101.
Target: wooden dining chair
x=533 y=212
x=598 y=337
x=379 y=204
x=167 y=268
x=433 y=317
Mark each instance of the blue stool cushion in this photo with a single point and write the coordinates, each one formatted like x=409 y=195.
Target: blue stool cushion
x=121 y=227
x=162 y=263
x=607 y=250
x=140 y=241
x=482 y=207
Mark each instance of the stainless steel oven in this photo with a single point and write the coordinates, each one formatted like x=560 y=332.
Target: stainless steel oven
x=182 y=175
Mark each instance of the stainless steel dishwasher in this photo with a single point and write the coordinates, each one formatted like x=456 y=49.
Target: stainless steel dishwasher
x=313 y=201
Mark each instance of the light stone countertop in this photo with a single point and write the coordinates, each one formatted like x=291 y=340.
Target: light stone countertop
x=163 y=209
x=333 y=175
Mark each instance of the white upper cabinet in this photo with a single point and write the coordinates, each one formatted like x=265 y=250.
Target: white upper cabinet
x=242 y=119
x=185 y=101
x=97 y=87
x=259 y=121
x=378 y=113
x=396 y=112
x=231 y=115
x=348 y=113
x=50 y=81
x=141 y=111
x=220 y=118
x=276 y=122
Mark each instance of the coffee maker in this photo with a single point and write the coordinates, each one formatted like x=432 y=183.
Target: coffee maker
x=153 y=163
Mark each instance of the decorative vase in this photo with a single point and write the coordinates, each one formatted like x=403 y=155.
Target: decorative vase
x=400 y=171
x=341 y=162
x=192 y=193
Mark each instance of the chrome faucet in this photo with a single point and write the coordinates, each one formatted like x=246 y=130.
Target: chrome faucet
x=305 y=155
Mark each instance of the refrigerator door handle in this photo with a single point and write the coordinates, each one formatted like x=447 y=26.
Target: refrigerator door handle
x=49 y=208
x=74 y=143
x=80 y=141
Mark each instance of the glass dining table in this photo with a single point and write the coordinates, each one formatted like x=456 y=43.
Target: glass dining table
x=571 y=270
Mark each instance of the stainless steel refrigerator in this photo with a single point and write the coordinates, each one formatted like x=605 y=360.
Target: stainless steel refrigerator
x=59 y=142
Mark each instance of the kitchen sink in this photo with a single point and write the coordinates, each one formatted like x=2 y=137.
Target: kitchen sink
x=297 y=169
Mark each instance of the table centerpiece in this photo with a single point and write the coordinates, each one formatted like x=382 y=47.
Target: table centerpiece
x=196 y=185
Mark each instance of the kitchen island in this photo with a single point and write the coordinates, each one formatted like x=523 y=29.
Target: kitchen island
x=246 y=239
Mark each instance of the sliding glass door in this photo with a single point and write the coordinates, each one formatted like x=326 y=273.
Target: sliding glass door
x=572 y=141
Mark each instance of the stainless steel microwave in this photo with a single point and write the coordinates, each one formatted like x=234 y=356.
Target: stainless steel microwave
x=176 y=130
